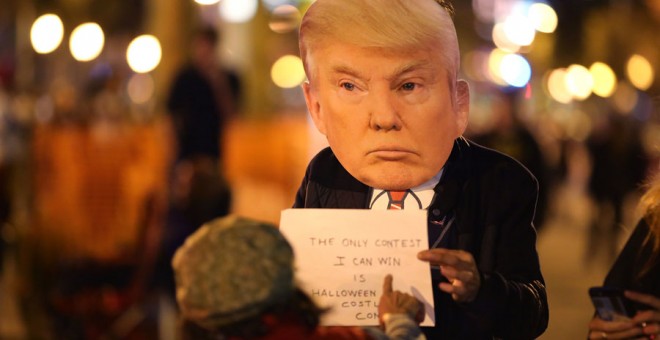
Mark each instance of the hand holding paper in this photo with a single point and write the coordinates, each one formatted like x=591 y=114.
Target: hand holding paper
x=459 y=268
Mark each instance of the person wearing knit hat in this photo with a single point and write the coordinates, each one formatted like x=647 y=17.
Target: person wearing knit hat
x=235 y=280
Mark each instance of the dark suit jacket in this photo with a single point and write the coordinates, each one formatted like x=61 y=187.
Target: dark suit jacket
x=491 y=199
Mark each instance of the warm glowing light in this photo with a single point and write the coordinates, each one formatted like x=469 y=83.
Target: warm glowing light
x=238 y=11
x=515 y=70
x=579 y=81
x=144 y=53
x=494 y=62
x=47 y=33
x=86 y=42
x=285 y=18
x=140 y=88
x=501 y=40
x=604 y=79
x=640 y=72
x=556 y=85
x=519 y=30
x=288 y=72
x=207 y=2
x=543 y=17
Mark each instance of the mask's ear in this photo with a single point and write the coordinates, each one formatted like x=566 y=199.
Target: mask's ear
x=314 y=106
x=462 y=105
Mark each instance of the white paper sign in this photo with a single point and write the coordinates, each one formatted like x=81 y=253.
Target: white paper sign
x=342 y=257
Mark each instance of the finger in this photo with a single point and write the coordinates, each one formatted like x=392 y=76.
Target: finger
x=447 y=287
x=627 y=334
x=605 y=335
x=467 y=277
x=387 y=284
x=434 y=253
x=646 y=299
x=647 y=316
x=598 y=335
x=651 y=329
x=449 y=272
x=616 y=326
x=457 y=290
x=598 y=324
x=462 y=254
x=421 y=313
x=444 y=257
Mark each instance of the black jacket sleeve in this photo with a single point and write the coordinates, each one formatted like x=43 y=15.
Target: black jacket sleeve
x=499 y=205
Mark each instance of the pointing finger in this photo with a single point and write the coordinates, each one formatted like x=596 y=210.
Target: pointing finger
x=387 y=283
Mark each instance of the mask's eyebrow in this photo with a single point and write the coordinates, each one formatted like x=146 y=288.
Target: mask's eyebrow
x=409 y=68
x=345 y=69
x=447 y=5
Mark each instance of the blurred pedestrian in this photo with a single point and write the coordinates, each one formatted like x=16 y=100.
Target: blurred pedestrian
x=202 y=99
x=510 y=136
x=619 y=164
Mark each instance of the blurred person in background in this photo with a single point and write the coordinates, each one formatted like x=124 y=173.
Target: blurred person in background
x=11 y=147
x=235 y=280
x=618 y=167
x=5 y=203
x=4 y=183
x=510 y=136
x=637 y=270
x=202 y=99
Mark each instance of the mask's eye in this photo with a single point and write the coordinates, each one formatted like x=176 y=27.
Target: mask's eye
x=408 y=86
x=348 y=86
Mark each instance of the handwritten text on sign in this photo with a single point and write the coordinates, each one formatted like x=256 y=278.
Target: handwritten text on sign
x=342 y=257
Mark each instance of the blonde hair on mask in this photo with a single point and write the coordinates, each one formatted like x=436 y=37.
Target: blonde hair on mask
x=399 y=25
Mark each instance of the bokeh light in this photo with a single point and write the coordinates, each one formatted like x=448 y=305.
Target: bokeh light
x=288 y=72
x=284 y=18
x=86 y=42
x=238 y=11
x=494 y=62
x=501 y=40
x=579 y=82
x=144 y=53
x=140 y=88
x=556 y=86
x=604 y=79
x=47 y=33
x=515 y=70
x=624 y=98
x=519 y=30
x=640 y=72
x=207 y=2
x=543 y=17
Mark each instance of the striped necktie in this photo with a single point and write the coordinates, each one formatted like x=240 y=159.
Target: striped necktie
x=397 y=199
